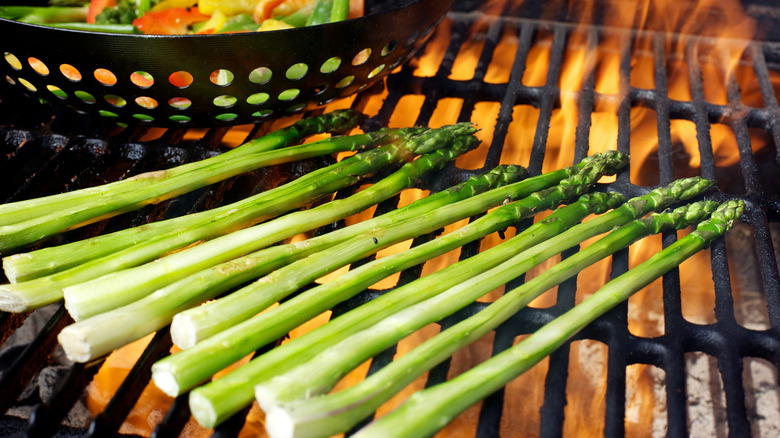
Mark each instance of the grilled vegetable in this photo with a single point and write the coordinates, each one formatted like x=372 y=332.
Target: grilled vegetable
x=212 y=402
x=44 y=14
x=98 y=335
x=230 y=395
x=204 y=321
x=171 y=17
x=25 y=222
x=273 y=396
x=429 y=410
x=123 y=287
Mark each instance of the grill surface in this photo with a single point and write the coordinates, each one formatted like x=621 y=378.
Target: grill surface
x=45 y=151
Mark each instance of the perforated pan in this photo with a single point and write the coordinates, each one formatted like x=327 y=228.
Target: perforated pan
x=207 y=80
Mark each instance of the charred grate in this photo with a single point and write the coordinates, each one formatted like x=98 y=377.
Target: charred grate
x=37 y=159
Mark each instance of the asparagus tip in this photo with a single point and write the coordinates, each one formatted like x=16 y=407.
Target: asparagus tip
x=183 y=331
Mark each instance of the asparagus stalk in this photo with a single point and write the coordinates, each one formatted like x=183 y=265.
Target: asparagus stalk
x=278 y=321
x=289 y=414
x=144 y=244
x=123 y=287
x=199 y=323
x=174 y=373
x=36 y=264
x=217 y=400
x=99 y=335
x=431 y=409
x=25 y=222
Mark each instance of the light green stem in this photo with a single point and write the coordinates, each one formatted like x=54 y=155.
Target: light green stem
x=99 y=335
x=431 y=409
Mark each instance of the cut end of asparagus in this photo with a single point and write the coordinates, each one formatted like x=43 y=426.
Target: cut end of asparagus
x=279 y=424
x=12 y=302
x=10 y=264
x=266 y=397
x=75 y=344
x=202 y=410
x=164 y=380
x=73 y=309
x=183 y=331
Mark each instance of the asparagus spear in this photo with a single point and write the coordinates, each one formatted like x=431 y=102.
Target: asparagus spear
x=217 y=400
x=176 y=374
x=123 y=287
x=28 y=266
x=289 y=414
x=143 y=244
x=201 y=322
x=429 y=410
x=99 y=335
x=25 y=222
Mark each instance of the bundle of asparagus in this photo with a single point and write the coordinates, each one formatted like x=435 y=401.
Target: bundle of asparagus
x=103 y=262
x=176 y=373
x=142 y=313
x=122 y=286
x=431 y=409
x=25 y=222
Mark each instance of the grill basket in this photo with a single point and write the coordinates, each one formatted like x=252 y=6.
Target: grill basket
x=207 y=80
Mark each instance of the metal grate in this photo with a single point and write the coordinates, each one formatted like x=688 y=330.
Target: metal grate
x=45 y=151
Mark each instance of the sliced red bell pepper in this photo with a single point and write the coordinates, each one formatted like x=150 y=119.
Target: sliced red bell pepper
x=169 y=21
x=96 y=7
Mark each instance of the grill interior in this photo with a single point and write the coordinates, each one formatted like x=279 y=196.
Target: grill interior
x=45 y=150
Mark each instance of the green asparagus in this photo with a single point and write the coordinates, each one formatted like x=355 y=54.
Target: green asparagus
x=215 y=401
x=143 y=244
x=175 y=374
x=25 y=222
x=102 y=333
x=39 y=263
x=204 y=321
x=429 y=410
x=291 y=415
x=123 y=287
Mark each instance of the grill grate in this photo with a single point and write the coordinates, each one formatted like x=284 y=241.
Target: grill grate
x=38 y=159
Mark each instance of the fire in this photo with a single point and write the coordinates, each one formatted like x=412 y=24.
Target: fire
x=714 y=34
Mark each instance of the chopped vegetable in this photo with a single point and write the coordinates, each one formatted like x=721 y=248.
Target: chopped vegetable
x=169 y=21
x=98 y=335
x=96 y=7
x=169 y=17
